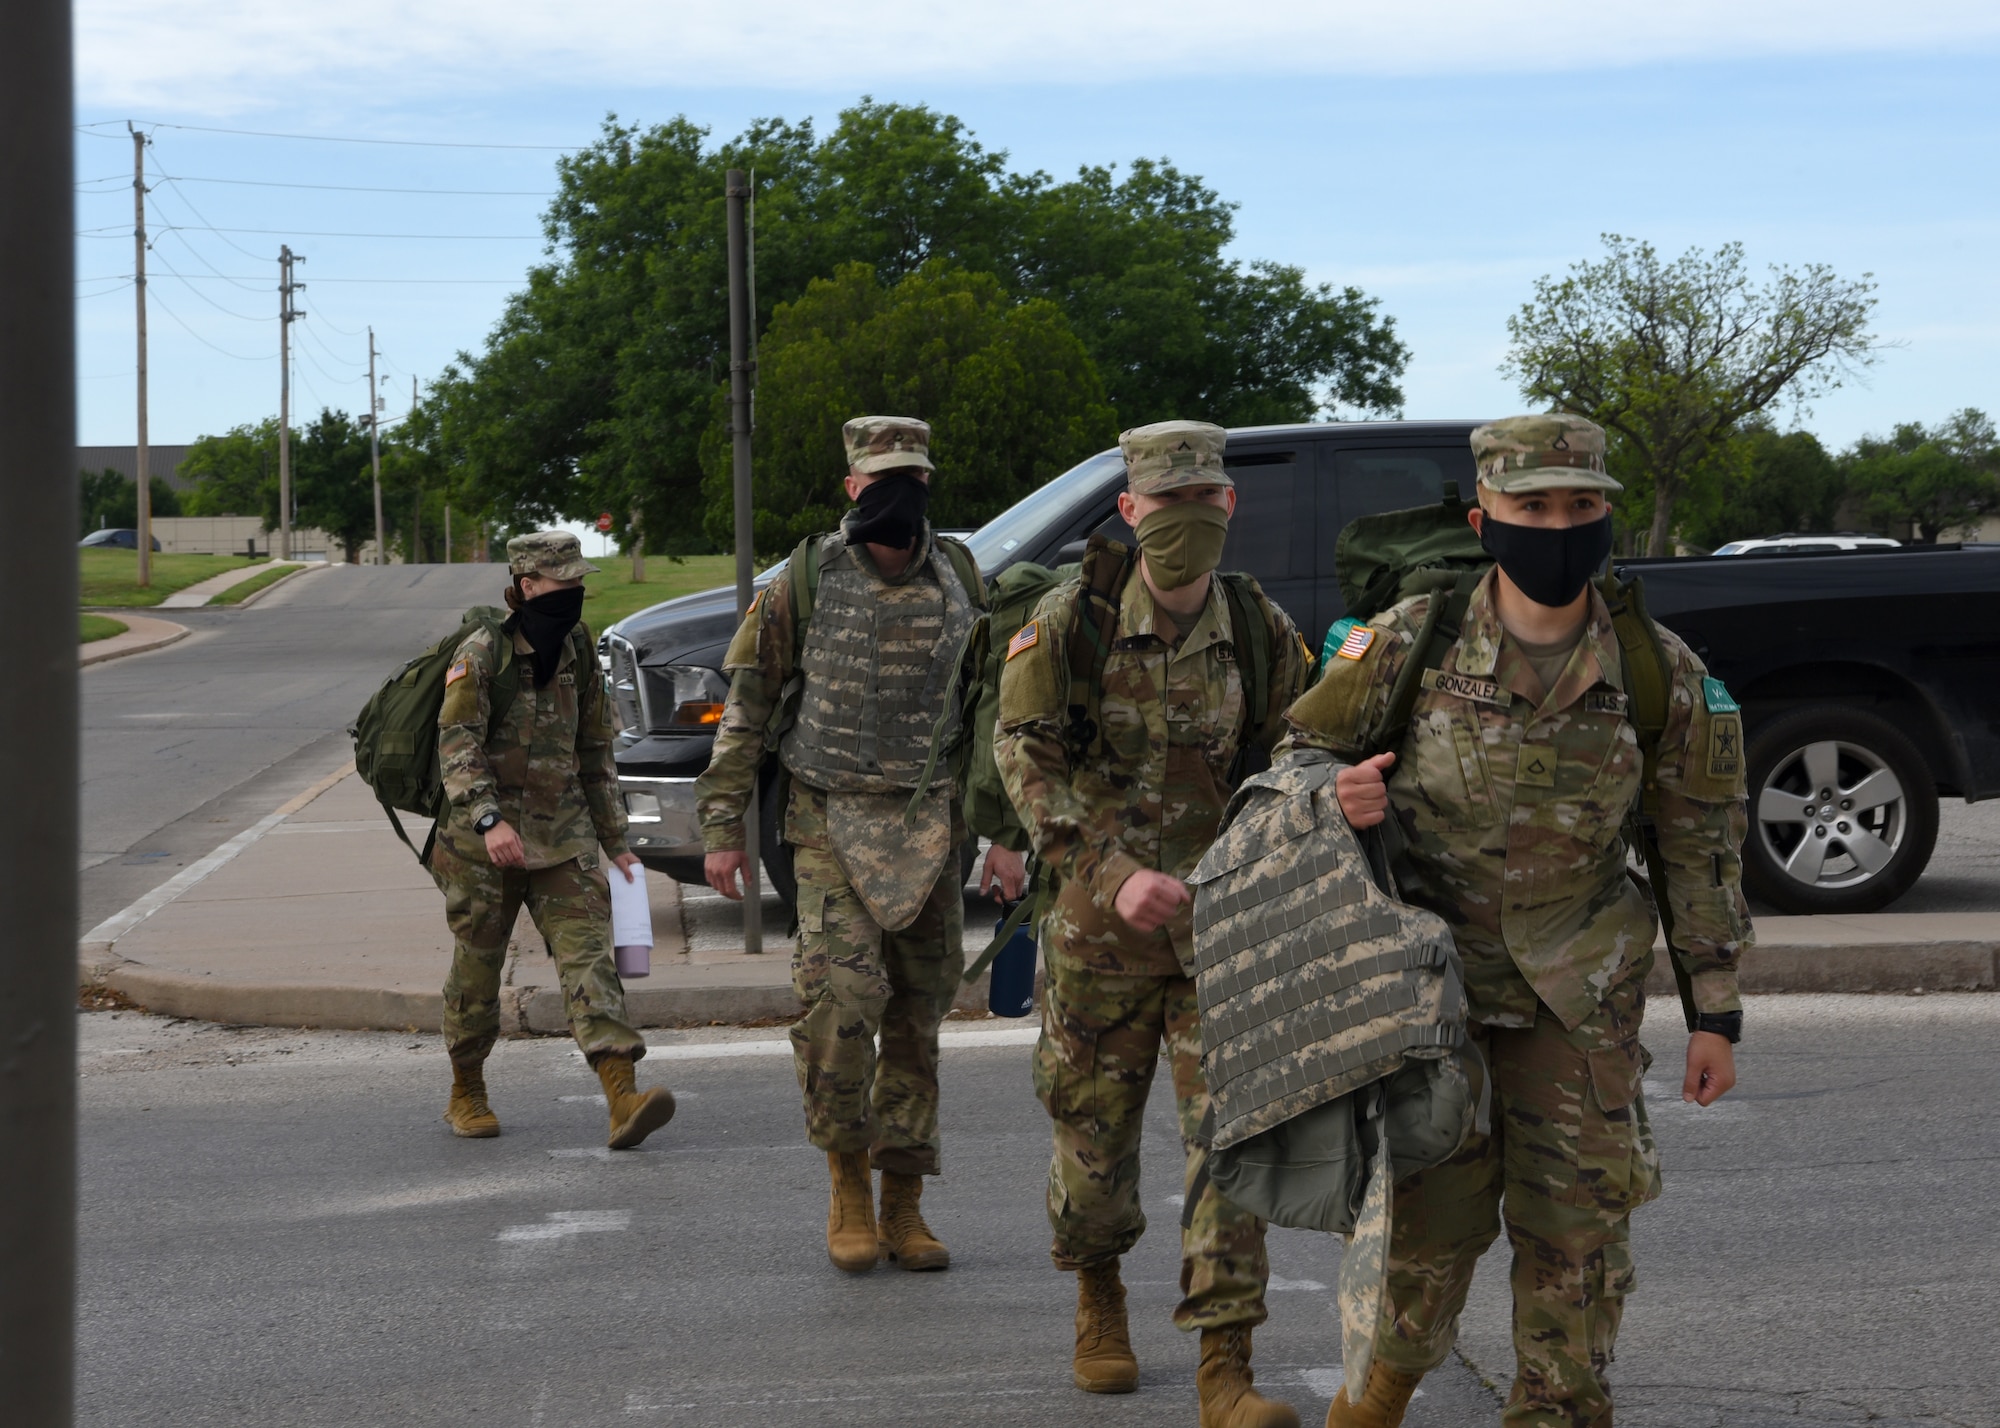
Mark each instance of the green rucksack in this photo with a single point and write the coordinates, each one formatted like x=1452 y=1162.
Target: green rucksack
x=396 y=733
x=1382 y=560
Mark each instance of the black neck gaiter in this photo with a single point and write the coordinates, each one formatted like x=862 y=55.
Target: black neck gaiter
x=547 y=620
x=892 y=511
x=1550 y=564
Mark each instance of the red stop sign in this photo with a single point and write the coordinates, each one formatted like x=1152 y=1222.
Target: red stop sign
x=604 y=522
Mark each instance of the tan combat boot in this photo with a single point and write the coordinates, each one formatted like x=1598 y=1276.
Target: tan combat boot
x=468 y=1114
x=850 y=1215
x=1104 y=1362
x=635 y=1114
x=1223 y=1380
x=901 y=1230
x=1383 y=1399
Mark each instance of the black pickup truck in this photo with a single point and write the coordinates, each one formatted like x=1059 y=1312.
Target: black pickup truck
x=1870 y=682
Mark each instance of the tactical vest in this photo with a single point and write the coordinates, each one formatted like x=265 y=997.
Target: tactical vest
x=1315 y=984
x=875 y=666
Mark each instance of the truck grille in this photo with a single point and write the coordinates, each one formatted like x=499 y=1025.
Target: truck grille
x=621 y=667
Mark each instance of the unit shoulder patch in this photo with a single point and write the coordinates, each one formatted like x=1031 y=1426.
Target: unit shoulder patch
x=1464 y=686
x=1716 y=695
x=1357 y=642
x=1025 y=638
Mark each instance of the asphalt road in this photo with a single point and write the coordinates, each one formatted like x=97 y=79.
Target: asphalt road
x=277 y=1230
x=185 y=747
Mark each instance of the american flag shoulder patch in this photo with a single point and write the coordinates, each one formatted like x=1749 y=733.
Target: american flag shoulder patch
x=1357 y=642
x=457 y=672
x=1025 y=638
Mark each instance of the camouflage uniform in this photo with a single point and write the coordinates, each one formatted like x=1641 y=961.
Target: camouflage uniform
x=547 y=771
x=1150 y=796
x=1513 y=803
x=881 y=912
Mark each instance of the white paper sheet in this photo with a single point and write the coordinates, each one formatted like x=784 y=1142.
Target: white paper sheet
x=631 y=910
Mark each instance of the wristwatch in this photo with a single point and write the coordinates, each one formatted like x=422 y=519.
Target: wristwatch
x=487 y=824
x=1728 y=1025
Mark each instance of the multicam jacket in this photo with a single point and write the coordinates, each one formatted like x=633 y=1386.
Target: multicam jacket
x=1150 y=794
x=547 y=770
x=1514 y=805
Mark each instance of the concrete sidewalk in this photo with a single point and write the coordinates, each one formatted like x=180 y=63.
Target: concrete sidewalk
x=319 y=916
x=142 y=633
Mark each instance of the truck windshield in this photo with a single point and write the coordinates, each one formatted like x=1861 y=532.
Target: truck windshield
x=1016 y=531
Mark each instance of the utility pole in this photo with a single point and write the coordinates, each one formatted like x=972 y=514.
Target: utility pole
x=741 y=321
x=287 y=315
x=38 y=738
x=375 y=452
x=142 y=457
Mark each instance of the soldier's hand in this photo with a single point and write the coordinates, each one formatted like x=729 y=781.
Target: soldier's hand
x=1711 y=1068
x=503 y=846
x=625 y=863
x=1362 y=791
x=726 y=872
x=1148 y=900
x=1005 y=868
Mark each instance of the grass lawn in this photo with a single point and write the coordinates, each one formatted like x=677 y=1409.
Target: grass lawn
x=610 y=595
x=251 y=586
x=108 y=576
x=99 y=627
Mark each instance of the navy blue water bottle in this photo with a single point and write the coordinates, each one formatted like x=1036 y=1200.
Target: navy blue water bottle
x=1011 y=992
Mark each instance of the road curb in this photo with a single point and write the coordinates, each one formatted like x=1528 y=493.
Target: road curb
x=160 y=634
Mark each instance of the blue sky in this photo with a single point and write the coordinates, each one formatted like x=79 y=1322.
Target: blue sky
x=1441 y=158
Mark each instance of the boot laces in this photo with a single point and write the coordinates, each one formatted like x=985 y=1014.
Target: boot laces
x=1103 y=1303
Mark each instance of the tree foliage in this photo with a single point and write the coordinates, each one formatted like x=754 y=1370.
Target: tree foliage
x=1674 y=358
x=1773 y=483
x=110 y=500
x=595 y=389
x=1932 y=481
x=1010 y=394
x=236 y=473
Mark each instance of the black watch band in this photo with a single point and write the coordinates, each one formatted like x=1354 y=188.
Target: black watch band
x=1728 y=1025
x=487 y=824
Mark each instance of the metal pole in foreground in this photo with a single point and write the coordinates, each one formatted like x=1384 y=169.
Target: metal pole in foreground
x=38 y=748
x=740 y=319
x=142 y=463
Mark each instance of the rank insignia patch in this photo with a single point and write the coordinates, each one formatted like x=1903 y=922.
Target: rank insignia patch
x=1357 y=642
x=455 y=674
x=1026 y=638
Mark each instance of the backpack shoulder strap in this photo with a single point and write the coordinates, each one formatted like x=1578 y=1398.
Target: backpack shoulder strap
x=968 y=570
x=506 y=682
x=1251 y=628
x=803 y=571
x=1107 y=565
x=1435 y=636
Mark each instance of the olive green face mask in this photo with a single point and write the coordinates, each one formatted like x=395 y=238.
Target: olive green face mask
x=1182 y=542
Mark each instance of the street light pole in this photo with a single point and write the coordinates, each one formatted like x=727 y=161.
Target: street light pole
x=375 y=452
x=38 y=740
x=287 y=315
x=740 y=321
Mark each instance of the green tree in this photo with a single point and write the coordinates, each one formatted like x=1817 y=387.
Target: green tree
x=236 y=473
x=110 y=500
x=1933 y=481
x=332 y=484
x=1776 y=483
x=1012 y=397
x=1674 y=358
x=595 y=388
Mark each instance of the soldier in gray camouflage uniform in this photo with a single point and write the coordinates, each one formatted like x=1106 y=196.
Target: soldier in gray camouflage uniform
x=532 y=802
x=1512 y=789
x=880 y=909
x=1121 y=825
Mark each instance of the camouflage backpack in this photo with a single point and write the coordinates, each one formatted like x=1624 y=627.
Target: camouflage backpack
x=1382 y=560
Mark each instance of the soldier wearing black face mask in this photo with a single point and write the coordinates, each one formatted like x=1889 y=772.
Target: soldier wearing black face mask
x=534 y=813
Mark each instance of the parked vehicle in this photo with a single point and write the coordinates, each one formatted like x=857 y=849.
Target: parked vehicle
x=1822 y=650
x=1790 y=544
x=115 y=540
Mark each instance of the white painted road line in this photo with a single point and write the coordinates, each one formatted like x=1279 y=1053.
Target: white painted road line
x=560 y=1224
x=715 y=1050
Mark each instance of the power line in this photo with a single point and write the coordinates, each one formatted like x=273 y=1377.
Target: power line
x=239 y=316
x=180 y=236
x=450 y=282
x=444 y=237
x=332 y=355
x=198 y=337
x=338 y=138
x=306 y=353
x=367 y=188
x=172 y=183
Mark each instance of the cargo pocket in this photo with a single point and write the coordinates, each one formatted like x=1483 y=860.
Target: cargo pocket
x=1065 y=1065
x=1615 y=1280
x=1612 y=1170
x=809 y=964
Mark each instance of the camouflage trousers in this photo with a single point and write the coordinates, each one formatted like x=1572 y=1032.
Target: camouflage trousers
x=571 y=906
x=1570 y=1157
x=860 y=983
x=1102 y=1035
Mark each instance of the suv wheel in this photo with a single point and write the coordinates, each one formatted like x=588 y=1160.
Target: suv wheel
x=1843 y=813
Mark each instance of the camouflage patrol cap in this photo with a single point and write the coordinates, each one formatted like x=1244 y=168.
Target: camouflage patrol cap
x=1170 y=454
x=1540 y=453
x=555 y=554
x=885 y=443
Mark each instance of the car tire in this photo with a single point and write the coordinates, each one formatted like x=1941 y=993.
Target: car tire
x=1843 y=813
x=778 y=871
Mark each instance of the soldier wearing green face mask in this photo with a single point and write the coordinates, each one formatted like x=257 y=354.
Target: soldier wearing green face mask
x=1121 y=804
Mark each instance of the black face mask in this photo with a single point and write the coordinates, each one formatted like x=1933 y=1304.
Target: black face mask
x=547 y=620
x=892 y=511
x=1551 y=565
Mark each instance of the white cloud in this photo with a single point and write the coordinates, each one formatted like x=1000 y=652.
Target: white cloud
x=225 y=56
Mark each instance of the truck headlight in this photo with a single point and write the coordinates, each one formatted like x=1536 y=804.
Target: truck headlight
x=693 y=693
